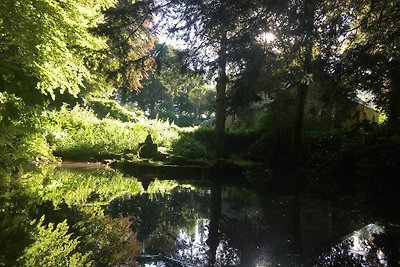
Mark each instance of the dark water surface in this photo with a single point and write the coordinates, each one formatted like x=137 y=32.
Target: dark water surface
x=227 y=225
x=192 y=223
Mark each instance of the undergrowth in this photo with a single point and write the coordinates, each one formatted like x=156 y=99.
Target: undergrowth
x=78 y=133
x=95 y=130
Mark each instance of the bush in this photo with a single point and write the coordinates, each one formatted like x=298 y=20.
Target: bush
x=190 y=147
x=104 y=108
x=79 y=134
x=30 y=135
x=201 y=142
x=362 y=160
x=21 y=133
x=53 y=246
x=196 y=142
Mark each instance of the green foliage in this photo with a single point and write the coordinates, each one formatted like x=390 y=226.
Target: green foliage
x=53 y=246
x=54 y=217
x=195 y=143
x=363 y=159
x=76 y=188
x=78 y=134
x=239 y=140
x=201 y=98
x=50 y=42
x=110 y=109
x=129 y=42
x=200 y=142
x=174 y=91
x=190 y=147
x=161 y=187
x=30 y=135
x=21 y=135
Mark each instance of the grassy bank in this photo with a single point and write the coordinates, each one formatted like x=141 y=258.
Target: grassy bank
x=82 y=134
x=93 y=130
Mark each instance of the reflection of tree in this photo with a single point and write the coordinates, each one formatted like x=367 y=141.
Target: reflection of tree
x=215 y=214
x=158 y=218
x=260 y=229
x=59 y=196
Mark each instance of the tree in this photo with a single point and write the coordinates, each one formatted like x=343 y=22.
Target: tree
x=200 y=97
x=214 y=30
x=372 y=59
x=48 y=45
x=166 y=91
x=286 y=65
x=127 y=28
x=47 y=48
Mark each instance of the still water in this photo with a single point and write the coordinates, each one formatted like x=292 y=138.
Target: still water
x=101 y=218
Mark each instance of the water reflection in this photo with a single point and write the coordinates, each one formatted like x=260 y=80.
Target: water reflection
x=219 y=225
x=183 y=223
x=372 y=245
x=171 y=224
x=54 y=217
x=213 y=226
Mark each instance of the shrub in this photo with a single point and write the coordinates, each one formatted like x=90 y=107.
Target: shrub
x=200 y=142
x=105 y=108
x=21 y=133
x=53 y=246
x=78 y=134
x=57 y=218
x=196 y=142
x=190 y=147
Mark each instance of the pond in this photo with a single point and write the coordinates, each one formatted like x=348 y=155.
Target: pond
x=88 y=215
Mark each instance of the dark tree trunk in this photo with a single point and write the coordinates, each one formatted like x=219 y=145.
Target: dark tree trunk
x=394 y=94
x=124 y=96
x=213 y=227
x=299 y=119
x=222 y=82
x=307 y=26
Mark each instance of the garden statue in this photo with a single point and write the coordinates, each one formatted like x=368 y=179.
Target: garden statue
x=148 y=149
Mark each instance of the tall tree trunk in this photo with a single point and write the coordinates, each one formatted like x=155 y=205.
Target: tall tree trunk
x=394 y=94
x=299 y=119
x=307 y=25
x=124 y=95
x=222 y=82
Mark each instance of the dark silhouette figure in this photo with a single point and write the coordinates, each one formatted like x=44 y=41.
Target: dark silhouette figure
x=148 y=149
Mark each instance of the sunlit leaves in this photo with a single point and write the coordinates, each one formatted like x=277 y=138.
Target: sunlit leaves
x=80 y=188
x=51 y=41
x=78 y=133
x=21 y=139
x=72 y=229
x=54 y=246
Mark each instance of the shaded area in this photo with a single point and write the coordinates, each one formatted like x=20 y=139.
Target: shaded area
x=228 y=225
x=187 y=223
x=54 y=217
x=372 y=245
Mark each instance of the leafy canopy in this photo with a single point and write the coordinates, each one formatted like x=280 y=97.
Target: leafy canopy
x=48 y=45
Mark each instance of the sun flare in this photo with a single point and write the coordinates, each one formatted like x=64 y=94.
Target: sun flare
x=266 y=37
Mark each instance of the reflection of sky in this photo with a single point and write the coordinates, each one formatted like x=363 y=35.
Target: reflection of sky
x=358 y=248
x=362 y=244
x=193 y=248
x=193 y=245
x=176 y=220
x=156 y=264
